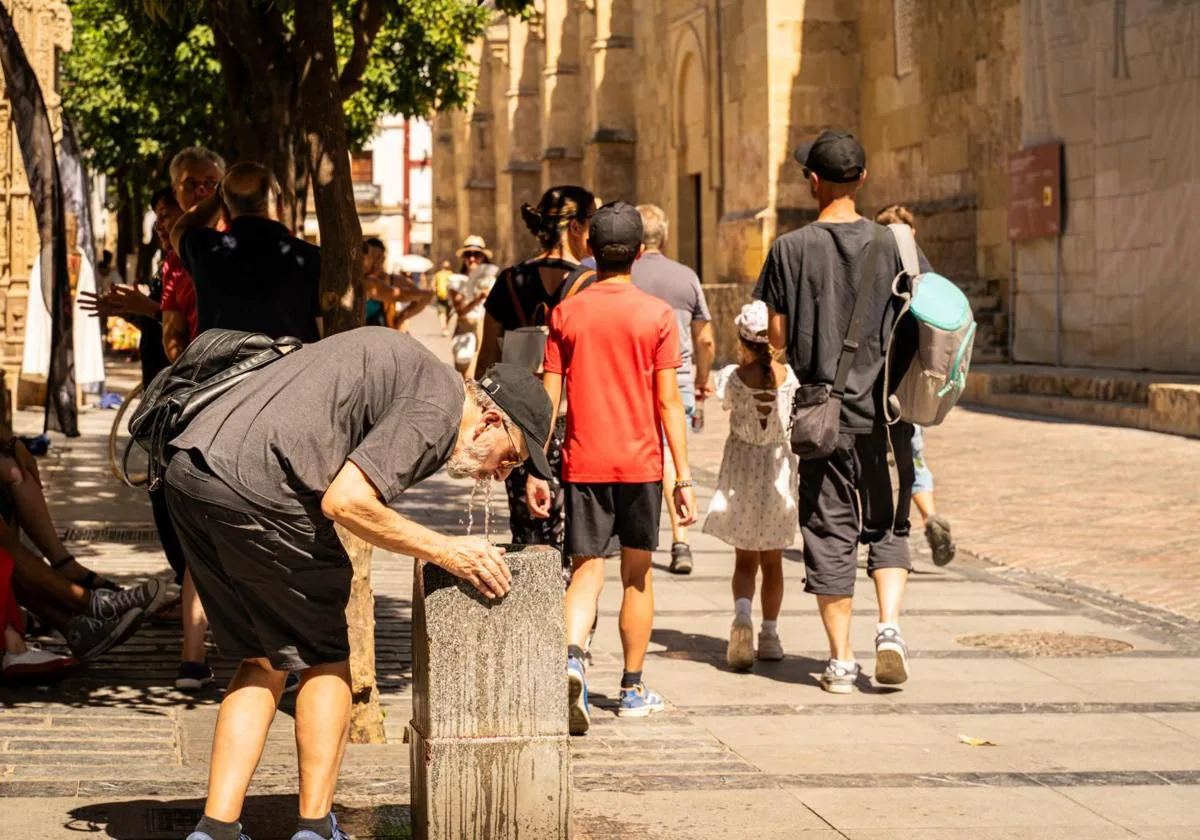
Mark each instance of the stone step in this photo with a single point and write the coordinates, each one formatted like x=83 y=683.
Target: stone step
x=1082 y=409
x=1081 y=386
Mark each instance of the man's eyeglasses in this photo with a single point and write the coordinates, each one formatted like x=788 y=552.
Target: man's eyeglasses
x=193 y=184
x=511 y=464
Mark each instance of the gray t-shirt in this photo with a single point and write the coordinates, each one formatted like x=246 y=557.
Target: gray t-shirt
x=371 y=395
x=679 y=286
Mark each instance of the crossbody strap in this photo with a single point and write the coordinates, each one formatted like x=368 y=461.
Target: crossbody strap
x=512 y=293
x=581 y=282
x=866 y=276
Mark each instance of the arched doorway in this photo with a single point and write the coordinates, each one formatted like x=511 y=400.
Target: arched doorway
x=692 y=158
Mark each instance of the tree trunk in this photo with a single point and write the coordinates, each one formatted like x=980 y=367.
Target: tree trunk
x=261 y=85
x=324 y=124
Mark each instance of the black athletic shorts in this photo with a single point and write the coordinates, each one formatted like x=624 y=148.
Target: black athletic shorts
x=274 y=585
x=604 y=518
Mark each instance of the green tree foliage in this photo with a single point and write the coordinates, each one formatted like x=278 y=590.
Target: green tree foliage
x=138 y=92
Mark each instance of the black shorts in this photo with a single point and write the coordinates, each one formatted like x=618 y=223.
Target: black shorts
x=604 y=518
x=274 y=585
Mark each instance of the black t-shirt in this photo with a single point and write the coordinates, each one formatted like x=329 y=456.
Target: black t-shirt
x=811 y=275
x=254 y=277
x=535 y=302
x=370 y=395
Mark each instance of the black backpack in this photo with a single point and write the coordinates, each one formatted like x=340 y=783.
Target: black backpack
x=210 y=366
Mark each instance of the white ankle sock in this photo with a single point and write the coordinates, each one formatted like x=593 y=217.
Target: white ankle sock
x=847 y=664
x=742 y=606
x=770 y=626
x=884 y=625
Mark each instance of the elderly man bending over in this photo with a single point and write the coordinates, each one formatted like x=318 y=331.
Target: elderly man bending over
x=333 y=433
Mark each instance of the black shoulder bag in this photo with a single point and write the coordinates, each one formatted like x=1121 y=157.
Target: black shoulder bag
x=211 y=365
x=817 y=408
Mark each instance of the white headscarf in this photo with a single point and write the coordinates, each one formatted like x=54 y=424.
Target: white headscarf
x=752 y=322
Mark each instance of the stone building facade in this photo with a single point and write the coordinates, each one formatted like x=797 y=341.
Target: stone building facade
x=44 y=27
x=696 y=105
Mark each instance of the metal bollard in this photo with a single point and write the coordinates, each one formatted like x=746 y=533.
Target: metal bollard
x=489 y=747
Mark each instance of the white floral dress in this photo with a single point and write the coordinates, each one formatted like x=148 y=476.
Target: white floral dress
x=754 y=507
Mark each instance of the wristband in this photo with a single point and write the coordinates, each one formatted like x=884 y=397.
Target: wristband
x=679 y=485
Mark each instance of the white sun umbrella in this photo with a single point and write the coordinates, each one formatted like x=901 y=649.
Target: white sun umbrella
x=414 y=264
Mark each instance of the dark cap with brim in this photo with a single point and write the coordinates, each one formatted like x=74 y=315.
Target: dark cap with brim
x=834 y=156
x=615 y=234
x=521 y=396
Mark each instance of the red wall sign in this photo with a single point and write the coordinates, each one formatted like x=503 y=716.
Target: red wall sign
x=1035 y=192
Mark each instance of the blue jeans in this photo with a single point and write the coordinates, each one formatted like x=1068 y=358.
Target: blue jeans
x=924 y=477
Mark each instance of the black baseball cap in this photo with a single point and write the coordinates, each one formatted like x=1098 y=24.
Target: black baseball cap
x=835 y=156
x=615 y=234
x=521 y=396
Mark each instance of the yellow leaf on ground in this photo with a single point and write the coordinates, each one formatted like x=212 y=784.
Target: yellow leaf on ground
x=975 y=742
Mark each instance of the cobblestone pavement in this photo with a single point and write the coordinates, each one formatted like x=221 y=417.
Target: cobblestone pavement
x=1090 y=748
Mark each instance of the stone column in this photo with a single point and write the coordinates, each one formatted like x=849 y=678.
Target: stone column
x=475 y=168
x=447 y=130
x=489 y=746
x=562 y=130
x=518 y=161
x=609 y=163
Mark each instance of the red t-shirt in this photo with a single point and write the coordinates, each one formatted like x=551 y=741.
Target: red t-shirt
x=179 y=293
x=608 y=341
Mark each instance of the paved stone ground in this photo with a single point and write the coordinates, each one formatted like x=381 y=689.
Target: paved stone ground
x=1090 y=748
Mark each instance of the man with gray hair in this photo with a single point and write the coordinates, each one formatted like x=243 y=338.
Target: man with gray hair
x=256 y=276
x=678 y=285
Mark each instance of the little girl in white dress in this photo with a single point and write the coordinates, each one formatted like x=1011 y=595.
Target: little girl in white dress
x=754 y=507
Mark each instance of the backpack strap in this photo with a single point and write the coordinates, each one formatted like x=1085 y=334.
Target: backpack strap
x=854 y=332
x=906 y=242
x=581 y=282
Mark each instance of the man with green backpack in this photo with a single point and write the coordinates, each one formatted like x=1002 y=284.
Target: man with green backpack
x=829 y=287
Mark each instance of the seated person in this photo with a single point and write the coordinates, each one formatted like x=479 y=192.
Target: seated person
x=23 y=660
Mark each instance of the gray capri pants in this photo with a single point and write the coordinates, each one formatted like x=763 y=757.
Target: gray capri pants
x=833 y=493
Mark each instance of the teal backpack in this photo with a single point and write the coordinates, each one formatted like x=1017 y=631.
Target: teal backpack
x=937 y=375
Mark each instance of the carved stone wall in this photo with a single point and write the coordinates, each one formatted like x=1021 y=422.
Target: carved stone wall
x=695 y=105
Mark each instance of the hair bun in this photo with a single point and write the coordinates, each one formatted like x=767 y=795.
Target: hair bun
x=533 y=219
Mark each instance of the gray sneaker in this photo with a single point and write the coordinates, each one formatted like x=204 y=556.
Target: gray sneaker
x=941 y=544
x=891 y=658
x=681 y=559
x=838 y=679
x=149 y=597
x=90 y=637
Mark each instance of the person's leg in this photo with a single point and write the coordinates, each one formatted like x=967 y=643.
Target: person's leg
x=830 y=529
x=32 y=574
x=885 y=530
x=922 y=486
x=739 y=652
x=241 y=734
x=771 y=563
x=195 y=623
x=770 y=648
x=322 y=724
x=587 y=581
x=745 y=576
x=32 y=514
x=681 y=552
x=637 y=607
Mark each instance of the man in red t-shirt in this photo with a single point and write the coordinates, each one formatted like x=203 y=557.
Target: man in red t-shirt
x=618 y=349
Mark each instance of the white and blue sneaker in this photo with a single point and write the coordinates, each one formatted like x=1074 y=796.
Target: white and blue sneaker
x=579 y=718
x=639 y=701
x=200 y=835
x=338 y=834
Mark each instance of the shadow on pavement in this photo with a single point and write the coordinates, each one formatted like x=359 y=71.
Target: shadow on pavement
x=795 y=670
x=264 y=818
